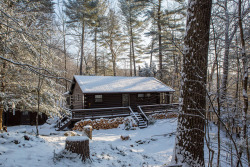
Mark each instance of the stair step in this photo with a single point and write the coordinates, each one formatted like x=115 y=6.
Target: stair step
x=141 y=127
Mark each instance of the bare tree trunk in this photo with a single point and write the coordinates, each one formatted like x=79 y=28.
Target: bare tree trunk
x=65 y=56
x=38 y=88
x=151 y=53
x=38 y=109
x=245 y=81
x=2 y=72
x=103 y=57
x=133 y=51
x=132 y=41
x=2 y=89
x=216 y=63
x=159 y=37
x=228 y=40
x=82 y=48
x=113 y=57
x=130 y=59
x=96 y=68
x=218 y=111
x=189 y=148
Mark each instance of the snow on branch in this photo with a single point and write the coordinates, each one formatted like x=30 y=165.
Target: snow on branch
x=35 y=69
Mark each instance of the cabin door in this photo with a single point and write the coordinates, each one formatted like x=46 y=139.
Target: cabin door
x=125 y=100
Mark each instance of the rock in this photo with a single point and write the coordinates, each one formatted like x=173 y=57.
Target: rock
x=16 y=141
x=26 y=137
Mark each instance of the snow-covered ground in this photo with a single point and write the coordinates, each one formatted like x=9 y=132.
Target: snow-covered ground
x=152 y=146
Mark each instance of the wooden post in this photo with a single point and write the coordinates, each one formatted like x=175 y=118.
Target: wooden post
x=78 y=145
x=87 y=130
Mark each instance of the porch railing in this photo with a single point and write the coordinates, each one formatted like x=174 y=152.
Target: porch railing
x=151 y=109
x=144 y=116
x=93 y=113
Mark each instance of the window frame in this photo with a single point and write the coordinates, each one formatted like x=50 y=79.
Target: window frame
x=141 y=95
x=98 y=99
x=148 y=95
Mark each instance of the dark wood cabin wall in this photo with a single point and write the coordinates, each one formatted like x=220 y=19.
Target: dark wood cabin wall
x=137 y=101
x=115 y=100
x=167 y=98
x=21 y=119
x=75 y=102
x=109 y=100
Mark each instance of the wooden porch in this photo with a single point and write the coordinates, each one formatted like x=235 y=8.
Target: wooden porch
x=140 y=116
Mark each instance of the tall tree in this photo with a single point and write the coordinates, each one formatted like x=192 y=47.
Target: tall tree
x=98 y=16
x=189 y=148
x=80 y=12
x=22 y=47
x=229 y=34
x=131 y=11
x=112 y=37
x=245 y=64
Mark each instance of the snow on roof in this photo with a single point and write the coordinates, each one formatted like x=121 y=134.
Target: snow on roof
x=117 y=84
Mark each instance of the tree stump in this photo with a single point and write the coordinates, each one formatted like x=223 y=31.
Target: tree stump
x=87 y=130
x=78 y=145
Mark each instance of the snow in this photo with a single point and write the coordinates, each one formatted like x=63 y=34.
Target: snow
x=77 y=138
x=152 y=146
x=117 y=84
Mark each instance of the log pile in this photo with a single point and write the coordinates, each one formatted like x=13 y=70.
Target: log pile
x=164 y=115
x=78 y=145
x=103 y=123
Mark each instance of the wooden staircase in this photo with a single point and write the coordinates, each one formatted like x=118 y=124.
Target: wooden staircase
x=140 y=121
x=63 y=122
x=138 y=118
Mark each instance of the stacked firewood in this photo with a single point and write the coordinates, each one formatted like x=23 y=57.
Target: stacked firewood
x=164 y=115
x=102 y=123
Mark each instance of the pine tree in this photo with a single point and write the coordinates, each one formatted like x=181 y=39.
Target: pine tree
x=131 y=11
x=166 y=29
x=112 y=37
x=80 y=12
x=98 y=16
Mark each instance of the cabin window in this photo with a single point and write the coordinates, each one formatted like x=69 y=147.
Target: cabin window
x=78 y=97
x=148 y=94
x=141 y=95
x=98 y=98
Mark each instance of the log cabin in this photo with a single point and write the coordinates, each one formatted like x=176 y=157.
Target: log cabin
x=92 y=97
x=115 y=91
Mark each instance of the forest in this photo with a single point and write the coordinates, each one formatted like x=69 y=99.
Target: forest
x=199 y=48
